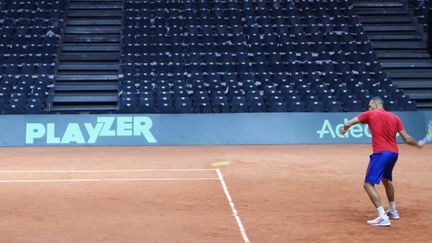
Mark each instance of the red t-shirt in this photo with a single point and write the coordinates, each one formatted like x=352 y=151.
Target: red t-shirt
x=384 y=126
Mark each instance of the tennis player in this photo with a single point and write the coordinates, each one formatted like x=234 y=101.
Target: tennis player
x=384 y=127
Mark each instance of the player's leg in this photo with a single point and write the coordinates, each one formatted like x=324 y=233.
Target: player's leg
x=373 y=176
x=389 y=189
x=382 y=219
x=392 y=211
x=388 y=184
x=373 y=194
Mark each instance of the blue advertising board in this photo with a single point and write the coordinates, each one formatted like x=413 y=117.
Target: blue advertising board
x=191 y=129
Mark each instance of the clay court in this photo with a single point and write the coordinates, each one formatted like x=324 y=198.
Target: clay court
x=292 y=193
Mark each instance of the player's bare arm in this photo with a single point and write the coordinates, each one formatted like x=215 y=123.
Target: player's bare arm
x=348 y=124
x=409 y=140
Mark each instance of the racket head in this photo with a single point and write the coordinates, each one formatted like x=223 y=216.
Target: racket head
x=428 y=137
x=430 y=127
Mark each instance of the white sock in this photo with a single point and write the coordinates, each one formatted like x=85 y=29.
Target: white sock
x=381 y=212
x=392 y=206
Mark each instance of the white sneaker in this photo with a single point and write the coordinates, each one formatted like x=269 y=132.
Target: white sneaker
x=393 y=214
x=379 y=222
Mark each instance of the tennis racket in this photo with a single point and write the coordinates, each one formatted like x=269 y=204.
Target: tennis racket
x=428 y=137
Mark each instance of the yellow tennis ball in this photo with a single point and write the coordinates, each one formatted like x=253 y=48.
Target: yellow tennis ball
x=220 y=164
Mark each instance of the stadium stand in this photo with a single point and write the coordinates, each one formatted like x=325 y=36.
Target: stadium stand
x=29 y=39
x=400 y=44
x=192 y=57
x=254 y=56
x=420 y=10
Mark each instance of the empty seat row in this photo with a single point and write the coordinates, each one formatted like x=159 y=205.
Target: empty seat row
x=30 y=33
x=249 y=56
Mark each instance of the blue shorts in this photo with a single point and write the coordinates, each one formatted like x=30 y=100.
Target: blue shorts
x=380 y=165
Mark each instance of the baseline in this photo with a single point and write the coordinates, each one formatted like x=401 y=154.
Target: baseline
x=97 y=171
x=105 y=180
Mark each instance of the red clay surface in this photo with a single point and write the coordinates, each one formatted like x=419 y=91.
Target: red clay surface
x=287 y=193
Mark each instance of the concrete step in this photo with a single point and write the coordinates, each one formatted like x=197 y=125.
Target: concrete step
x=419 y=94
x=399 y=45
x=405 y=64
x=95 y=6
x=91 y=38
x=413 y=83
x=92 y=13
x=390 y=28
x=89 y=57
x=80 y=22
x=86 y=86
x=95 y=1
x=92 y=30
x=381 y=12
x=400 y=57
x=386 y=37
x=93 y=108
x=385 y=19
x=424 y=105
x=88 y=72
x=91 y=48
x=87 y=77
x=410 y=75
x=87 y=66
x=371 y=4
x=83 y=97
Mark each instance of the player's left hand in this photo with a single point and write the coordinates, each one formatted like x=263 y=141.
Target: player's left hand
x=342 y=130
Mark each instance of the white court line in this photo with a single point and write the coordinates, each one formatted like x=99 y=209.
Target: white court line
x=231 y=203
x=103 y=180
x=97 y=171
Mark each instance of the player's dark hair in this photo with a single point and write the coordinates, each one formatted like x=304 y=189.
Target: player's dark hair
x=378 y=100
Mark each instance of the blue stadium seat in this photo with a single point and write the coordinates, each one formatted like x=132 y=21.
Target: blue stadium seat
x=333 y=106
x=297 y=106
x=314 y=106
x=353 y=106
x=409 y=106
